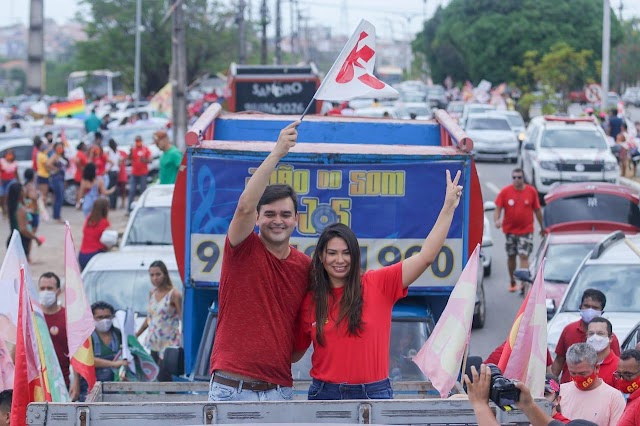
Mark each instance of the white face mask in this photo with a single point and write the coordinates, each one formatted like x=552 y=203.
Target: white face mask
x=599 y=343
x=47 y=298
x=104 y=325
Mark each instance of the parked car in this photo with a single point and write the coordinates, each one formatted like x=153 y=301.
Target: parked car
x=632 y=339
x=613 y=268
x=631 y=96
x=474 y=108
x=563 y=149
x=516 y=122
x=22 y=147
x=493 y=137
x=150 y=220
x=437 y=97
x=577 y=217
x=455 y=109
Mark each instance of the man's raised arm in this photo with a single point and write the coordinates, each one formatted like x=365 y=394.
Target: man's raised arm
x=244 y=218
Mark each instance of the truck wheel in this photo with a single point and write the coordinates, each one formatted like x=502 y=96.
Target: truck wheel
x=479 y=318
x=70 y=193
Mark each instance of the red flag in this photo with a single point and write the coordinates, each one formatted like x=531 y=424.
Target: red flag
x=351 y=75
x=27 y=381
x=80 y=322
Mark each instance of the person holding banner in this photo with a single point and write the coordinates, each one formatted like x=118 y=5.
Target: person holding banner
x=347 y=314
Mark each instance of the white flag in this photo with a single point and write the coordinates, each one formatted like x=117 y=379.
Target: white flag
x=351 y=75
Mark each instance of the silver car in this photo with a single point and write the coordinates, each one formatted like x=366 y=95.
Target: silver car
x=493 y=137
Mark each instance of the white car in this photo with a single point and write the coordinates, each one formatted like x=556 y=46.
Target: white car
x=121 y=279
x=493 y=137
x=613 y=268
x=22 y=147
x=562 y=149
x=125 y=137
x=150 y=221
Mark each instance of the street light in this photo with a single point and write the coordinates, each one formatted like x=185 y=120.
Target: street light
x=136 y=72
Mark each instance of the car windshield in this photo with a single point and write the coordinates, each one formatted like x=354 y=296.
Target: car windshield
x=488 y=124
x=419 y=111
x=406 y=340
x=563 y=261
x=620 y=283
x=590 y=208
x=453 y=107
x=123 y=289
x=515 y=120
x=573 y=138
x=150 y=226
x=71 y=133
x=126 y=136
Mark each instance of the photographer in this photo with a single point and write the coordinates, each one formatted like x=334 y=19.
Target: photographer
x=479 y=389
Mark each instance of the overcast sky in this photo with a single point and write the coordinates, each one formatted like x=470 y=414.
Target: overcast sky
x=400 y=19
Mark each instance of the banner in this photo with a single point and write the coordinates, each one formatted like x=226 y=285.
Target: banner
x=162 y=101
x=385 y=204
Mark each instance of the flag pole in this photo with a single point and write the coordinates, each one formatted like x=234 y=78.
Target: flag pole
x=306 y=110
x=464 y=361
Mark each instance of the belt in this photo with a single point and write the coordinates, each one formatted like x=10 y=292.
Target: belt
x=252 y=386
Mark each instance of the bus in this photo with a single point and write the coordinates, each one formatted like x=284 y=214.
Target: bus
x=97 y=84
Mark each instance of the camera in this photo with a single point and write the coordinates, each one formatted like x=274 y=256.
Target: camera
x=502 y=391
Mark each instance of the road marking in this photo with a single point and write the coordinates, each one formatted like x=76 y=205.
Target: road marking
x=492 y=187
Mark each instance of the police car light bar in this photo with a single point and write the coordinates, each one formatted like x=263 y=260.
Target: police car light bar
x=568 y=119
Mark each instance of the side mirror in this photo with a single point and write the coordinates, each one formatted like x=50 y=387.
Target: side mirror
x=529 y=146
x=489 y=206
x=174 y=360
x=551 y=308
x=523 y=274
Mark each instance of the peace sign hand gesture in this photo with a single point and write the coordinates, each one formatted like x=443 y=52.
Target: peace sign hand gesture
x=454 y=191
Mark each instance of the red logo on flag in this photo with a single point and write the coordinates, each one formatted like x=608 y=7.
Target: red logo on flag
x=347 y=72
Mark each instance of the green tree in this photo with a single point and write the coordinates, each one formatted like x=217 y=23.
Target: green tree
x=625 y=64
x=476 y=39
x=211 y=39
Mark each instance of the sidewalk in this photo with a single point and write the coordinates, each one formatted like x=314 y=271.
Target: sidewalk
x=50 y=256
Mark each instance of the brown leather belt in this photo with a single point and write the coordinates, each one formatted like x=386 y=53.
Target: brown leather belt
x=252 y=386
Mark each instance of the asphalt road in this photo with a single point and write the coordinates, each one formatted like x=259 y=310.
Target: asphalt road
x=501 y=305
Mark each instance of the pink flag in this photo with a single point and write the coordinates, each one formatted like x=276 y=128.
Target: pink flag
x=80 y=323
x=528 y=338
x=351 y=75
x=441 y=356
x=6 y=367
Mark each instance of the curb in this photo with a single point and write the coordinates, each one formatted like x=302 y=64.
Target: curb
x=635 y=185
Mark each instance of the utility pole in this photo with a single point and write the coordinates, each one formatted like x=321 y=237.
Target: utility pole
x=606 y=45
x=293 y=38
x=136 y=71
x=278 y=33
x=242 y=47
x=35 y=54
x=620 y=10
x=264 y=20
x=178 y=76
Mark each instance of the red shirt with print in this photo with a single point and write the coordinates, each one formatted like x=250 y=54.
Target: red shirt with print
x=518 y=206
x=139 y=167
x=345 y=358
x=57 y=324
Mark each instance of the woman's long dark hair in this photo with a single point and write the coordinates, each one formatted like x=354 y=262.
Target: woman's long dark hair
x=13 y=198
x=351 y=301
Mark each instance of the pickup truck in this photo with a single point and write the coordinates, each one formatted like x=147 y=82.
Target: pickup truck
x=385 y=179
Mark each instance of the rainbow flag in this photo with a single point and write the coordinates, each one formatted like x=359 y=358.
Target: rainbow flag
x=74 y=108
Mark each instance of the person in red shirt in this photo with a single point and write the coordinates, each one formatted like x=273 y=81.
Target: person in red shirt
x=55 y=316
x=8 y=175
x=494 y=357
x=95 y=224
x=81 y=160
x=123 y=178
x=262 y=284
x=347 y=315
x=600 y=335
x=519 y=202
x=591 y=306
x=627 y=381
x=140 y=157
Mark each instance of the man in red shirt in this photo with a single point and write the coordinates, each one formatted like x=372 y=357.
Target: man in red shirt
x=628 y=382
x=600 y=335
x=591 y=306
x=140 y=157
x=263 y=282
x=519 y=202
x=55 y=316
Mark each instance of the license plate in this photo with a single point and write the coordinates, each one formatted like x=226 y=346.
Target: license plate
x=579 y=178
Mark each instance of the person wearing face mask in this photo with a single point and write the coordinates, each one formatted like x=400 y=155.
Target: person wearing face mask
x=627 y=381
x=552 y=394
x=57 y=165
x=587 y=396
x=591 y=306
x=599 y=336
x=140 y=157
x=55 y=315
x=106 y=340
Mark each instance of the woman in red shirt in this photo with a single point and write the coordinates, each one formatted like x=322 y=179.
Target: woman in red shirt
x=347 y=315
x=8 y=175
x=95 y=224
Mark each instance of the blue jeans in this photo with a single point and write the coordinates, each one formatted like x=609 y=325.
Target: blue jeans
x=134 y=183
x=329 y=391
x=57 y=185
x=220 y=392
